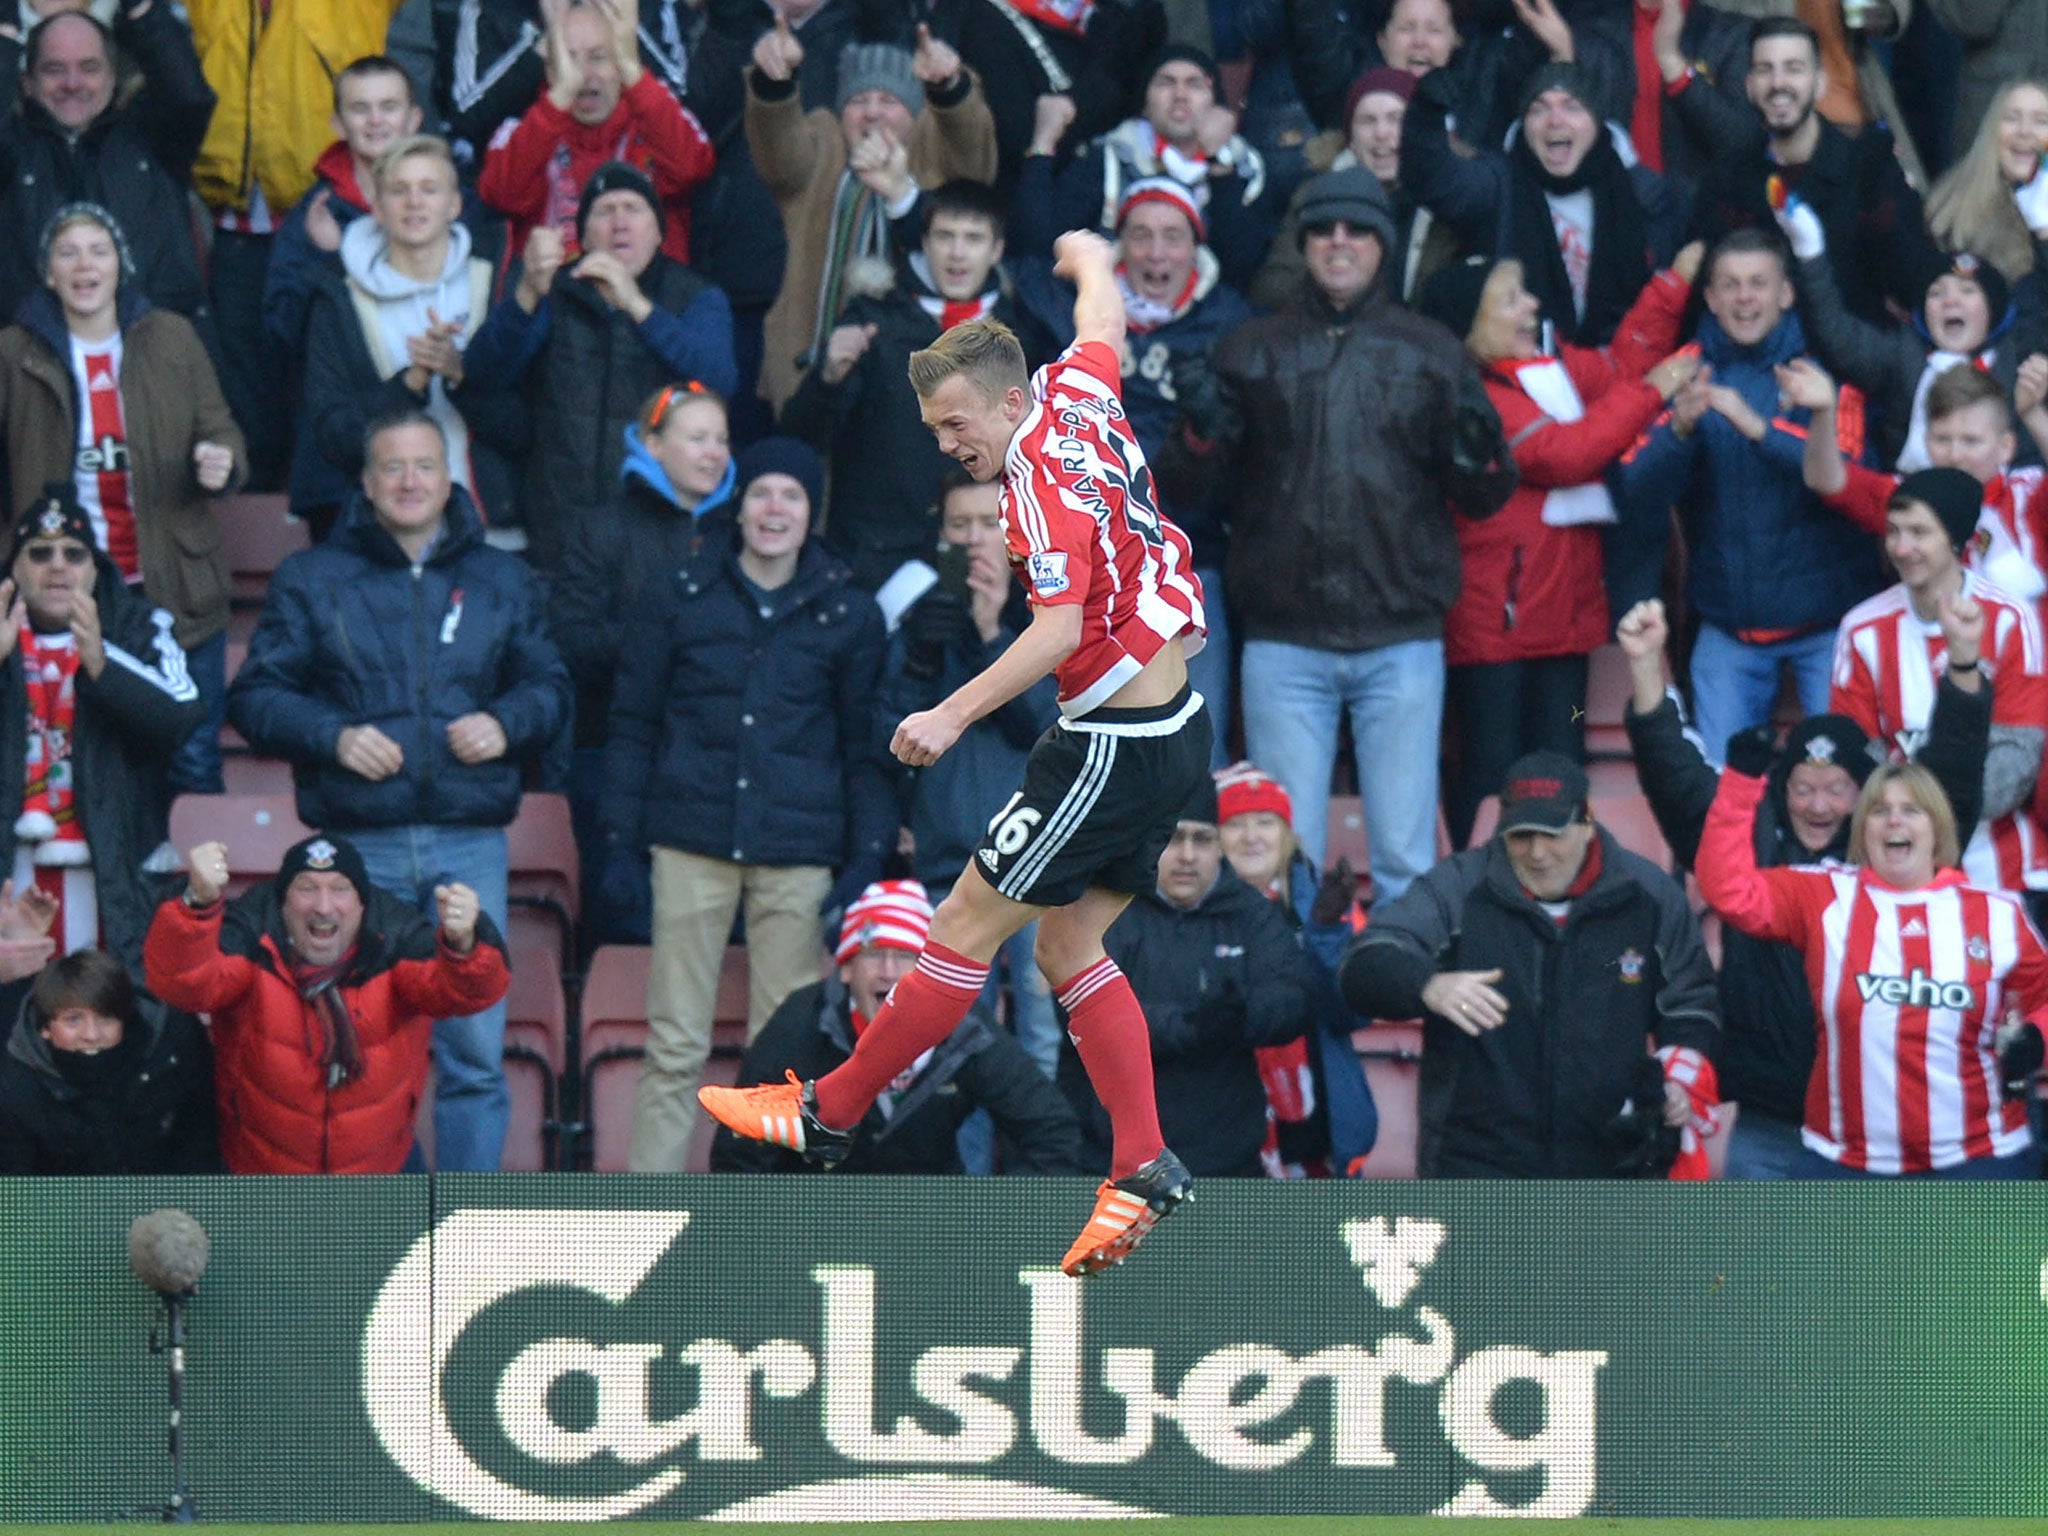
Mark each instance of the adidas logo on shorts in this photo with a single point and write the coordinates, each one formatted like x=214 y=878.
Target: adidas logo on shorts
x=988 y=857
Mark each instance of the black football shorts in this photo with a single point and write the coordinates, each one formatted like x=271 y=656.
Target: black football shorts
x=1100 y=800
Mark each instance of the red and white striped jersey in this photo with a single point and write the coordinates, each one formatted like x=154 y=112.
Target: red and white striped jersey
x=1909 y=988
x=1887 y=662
x=2011 y=543
x=1084 y=527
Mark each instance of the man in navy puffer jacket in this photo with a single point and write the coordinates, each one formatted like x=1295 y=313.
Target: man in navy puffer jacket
x=405 y=670
x=1771 y=570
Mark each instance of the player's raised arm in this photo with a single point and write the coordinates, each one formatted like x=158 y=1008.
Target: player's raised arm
x=1088 y=261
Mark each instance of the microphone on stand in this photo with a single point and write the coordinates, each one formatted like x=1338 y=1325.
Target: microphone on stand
x=168 y=1251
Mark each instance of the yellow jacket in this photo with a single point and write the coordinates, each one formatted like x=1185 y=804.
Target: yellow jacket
x=276 y=90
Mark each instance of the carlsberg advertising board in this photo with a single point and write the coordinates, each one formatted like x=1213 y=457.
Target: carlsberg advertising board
x=594 y=1348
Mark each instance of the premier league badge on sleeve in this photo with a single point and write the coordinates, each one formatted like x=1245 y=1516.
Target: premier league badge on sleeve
x=1048 y=572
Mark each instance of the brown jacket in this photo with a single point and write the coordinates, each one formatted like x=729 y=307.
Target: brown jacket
x=172 y=402
x=799 y=155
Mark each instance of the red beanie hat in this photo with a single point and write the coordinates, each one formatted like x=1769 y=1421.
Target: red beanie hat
x=1242 y=789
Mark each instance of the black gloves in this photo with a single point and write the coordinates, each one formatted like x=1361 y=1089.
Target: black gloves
x=1479 y=450
x=2020 y=1057
x=1751 y=752
x=936 y=623
x=1339 y=887
x=1206 y=405
x=626 y=895
x=1639 y=1144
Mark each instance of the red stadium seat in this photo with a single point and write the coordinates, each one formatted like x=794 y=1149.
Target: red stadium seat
x=257 y=533
x=1634 y=826
x=1607 y=693
x=536 y=1057
x=1392 y=1055
x=615 y=1040
x=543 y=869
x=729 y=1017
x=1484 y=820
x=257 y=830
x=614 y=1032
x=246 y=775
x=1346 y=835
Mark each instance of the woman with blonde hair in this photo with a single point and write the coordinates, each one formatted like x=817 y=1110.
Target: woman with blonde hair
x=1320 y=1119
x=675 y=500
x=1912 y=972
x=1994 y=201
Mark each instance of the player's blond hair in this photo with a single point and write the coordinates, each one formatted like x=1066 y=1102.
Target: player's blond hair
x=987 y=351
x=1927 y=792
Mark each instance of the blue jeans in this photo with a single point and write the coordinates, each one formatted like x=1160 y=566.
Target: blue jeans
x=1764 y=1147
x=1209 y=672
x=1295 y=696
x=1735 y=685
x=195 y=767
x=472 y=1106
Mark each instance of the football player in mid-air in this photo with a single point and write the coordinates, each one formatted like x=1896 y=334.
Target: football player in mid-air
x=1116 y=610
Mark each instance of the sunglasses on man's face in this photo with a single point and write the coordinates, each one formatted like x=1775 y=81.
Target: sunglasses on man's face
x=43 y=554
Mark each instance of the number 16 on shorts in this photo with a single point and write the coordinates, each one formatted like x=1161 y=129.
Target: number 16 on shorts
x=1011 y=827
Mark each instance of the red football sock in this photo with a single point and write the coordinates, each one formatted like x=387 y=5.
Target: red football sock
x=1108 y=1029
x=920 y=1011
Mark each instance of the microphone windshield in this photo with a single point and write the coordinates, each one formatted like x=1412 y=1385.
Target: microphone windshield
x=168 y=1251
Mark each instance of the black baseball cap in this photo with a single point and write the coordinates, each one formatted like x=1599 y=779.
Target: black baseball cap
x=1543 y=792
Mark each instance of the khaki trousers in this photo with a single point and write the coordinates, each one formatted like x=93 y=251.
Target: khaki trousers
x=694 y=902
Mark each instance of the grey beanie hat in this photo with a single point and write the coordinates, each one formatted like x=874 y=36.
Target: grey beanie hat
x=878 y=67
x=1353 y=195
x=74 y=212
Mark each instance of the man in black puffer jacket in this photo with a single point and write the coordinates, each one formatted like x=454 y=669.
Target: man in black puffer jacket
x=1543 y=964
x=405 y=671
x=1219 y=972
x=1767 y=1057
x=591 y=341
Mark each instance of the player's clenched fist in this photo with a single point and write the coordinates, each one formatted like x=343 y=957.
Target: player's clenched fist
x=1079 y=249
x=922 y=738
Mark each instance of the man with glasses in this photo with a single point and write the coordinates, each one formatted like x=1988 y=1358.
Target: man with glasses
x=94 y=699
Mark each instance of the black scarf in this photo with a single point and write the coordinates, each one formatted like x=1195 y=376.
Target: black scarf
x=1621 y=261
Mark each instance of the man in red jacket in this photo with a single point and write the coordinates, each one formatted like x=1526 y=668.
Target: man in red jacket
x=323 y=992
x=600 y=104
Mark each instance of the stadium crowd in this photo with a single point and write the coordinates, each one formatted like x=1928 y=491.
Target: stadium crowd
x=1464 y=339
